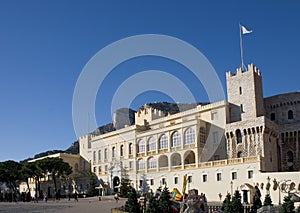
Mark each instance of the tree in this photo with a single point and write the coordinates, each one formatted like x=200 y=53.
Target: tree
x=236 y=204
x=226 y=206
x=56 y=167
x=152 y=205
x=268 y=200
x=10 y=174
x=164 y=202
x=288 y=205
x=125 y=187
x=92 y=191
x=144 y=187
x=132 y=205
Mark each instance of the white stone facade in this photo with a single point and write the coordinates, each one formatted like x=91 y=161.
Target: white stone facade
x=221 y=146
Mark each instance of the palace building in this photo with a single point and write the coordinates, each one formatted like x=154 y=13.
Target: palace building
x=223 y=146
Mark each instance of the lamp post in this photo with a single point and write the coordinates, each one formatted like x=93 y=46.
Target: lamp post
x=231 y=184
x=279 y=189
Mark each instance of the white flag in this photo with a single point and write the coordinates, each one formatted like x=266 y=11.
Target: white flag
x=244 y=30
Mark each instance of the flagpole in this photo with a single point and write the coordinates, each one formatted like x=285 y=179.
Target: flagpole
x=241 y=47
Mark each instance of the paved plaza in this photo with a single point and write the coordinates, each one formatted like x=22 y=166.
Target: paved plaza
x=84 y=205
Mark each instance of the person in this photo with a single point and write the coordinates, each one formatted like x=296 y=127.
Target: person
x=76 y=197
x=116 y=197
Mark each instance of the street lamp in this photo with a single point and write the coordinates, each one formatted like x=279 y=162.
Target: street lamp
x=279 y=188
x=231 y=184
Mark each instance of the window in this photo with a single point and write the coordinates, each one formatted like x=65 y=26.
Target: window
x=141 y=183
x=163 y=142
x=113 y=152
x=105 y=154
x=175 y=180
x=99 y=169
x=190 y=179
x=234 y=175
x=94 y=156
x=189 y=136
x=219 y=176
x=151 y=182
x=122 y=150
x=214 y=116
x=273 y=116
x=141 y=164
x=94 y=169
x=106 y=168
x=204 y=178
x=250 y=174
x=99 y=155
x=131 y=164
x=141 y=146
x=163 y=181
x=241 y=90
x=289 y=156
x=175 y=139
x=238 y=136
x=151 y=144
x=202 y=135
x=242 y=108
x=216 y=137
x=240 y=154
x=130 y=148
x=290 y=114
x=151 y=163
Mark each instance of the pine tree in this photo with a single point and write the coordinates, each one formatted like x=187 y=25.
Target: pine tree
x=226 y=207
x=287 y=206
x=152 y=205
x=132 y=205
x=92 y=191
x=164 y=202
x=268 y=200
x=144 y=187
x=124 y=187
x=236 y=203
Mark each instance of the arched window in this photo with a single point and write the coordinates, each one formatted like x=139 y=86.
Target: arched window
x=273 y=116
x=130 y=148
x=163 y=142
x=122 y=150
x=99 y=155
x=105 y=153
x=151 y=163
x=141 y=146
x=113 y=152
x=189 y=136
x=141 y=164
x=151 y=144
x=240 y=154
x=290 y=157
x=238 y=136
x=175 y=139
x=290 y=114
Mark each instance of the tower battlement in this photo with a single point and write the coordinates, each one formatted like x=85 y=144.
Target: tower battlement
x=239 y=71
x=147 y=113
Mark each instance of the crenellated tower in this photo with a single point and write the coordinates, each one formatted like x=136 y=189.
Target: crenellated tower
x=245 y=94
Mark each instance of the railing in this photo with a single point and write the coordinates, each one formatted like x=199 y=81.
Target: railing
x=162 y=151
x=177 y=167
x=190 y=166
x=163 y=168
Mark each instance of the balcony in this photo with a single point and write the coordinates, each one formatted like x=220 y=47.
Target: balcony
x=190 y=166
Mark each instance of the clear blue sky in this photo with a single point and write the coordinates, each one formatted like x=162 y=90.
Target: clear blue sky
x=44 y=46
